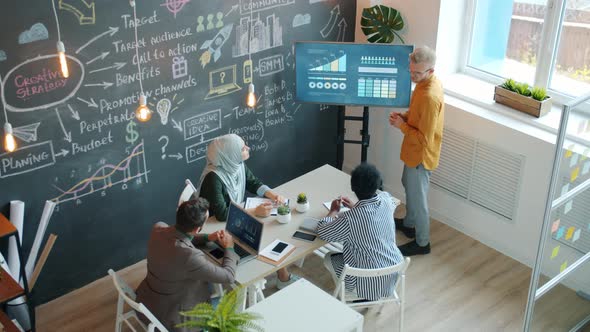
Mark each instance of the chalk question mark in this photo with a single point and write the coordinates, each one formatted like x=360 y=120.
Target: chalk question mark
x=165 y=138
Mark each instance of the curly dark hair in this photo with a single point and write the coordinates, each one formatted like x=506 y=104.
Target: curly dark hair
x=365 y=179
x=192 y=214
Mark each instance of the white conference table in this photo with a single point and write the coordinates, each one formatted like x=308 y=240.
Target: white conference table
x=304 y=307
x=320 y=185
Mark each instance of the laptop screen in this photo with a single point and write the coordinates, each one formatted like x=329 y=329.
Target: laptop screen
x=243 y=226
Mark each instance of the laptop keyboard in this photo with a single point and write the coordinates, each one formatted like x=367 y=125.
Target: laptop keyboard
x=240 y=251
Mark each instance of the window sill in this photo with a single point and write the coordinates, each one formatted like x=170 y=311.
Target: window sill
x=476 y=96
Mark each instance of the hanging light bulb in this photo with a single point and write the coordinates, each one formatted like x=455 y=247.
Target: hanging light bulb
x=143 y=113
x=9 y=141
x=61 y=51
x=251 y=97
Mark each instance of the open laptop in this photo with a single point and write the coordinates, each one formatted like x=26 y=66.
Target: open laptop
x=246 y=232
x=222 y=82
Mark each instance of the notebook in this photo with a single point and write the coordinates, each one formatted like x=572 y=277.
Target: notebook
x=246 y=232
x=310 y=225
x=253 y=202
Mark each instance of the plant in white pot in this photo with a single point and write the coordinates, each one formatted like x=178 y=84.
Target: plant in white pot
x=283 y=214
x=302 y=203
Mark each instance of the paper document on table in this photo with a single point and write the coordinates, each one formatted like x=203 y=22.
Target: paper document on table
x=253 y=202
x=267 y=254
x=342 y=207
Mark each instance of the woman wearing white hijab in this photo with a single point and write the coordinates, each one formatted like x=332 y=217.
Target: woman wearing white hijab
x=226 y=178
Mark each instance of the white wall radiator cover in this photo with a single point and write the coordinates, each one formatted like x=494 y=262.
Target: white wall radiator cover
x=482 y=174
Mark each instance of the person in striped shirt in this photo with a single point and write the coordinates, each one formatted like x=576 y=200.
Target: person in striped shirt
x=367 y=232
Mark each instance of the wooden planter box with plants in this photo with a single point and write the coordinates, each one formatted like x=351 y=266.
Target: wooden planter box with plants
x=520 y=97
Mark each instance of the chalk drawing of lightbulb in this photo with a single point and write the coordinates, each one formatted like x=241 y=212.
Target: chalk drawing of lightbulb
x=163 y=107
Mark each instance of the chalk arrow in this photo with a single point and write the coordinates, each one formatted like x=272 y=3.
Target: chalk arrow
x=110 y=31
x=85 y=13
x=63 y=153
x=104 y=84
x=178 y=156
x=90 y=103
x=334 y=14
x=67 y=134
x=116 y=65
x=234 y=7
x=101 y=57
x=341 y=30
x=75 y=114
x=176 y=125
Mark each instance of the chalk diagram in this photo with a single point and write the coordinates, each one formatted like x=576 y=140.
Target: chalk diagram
x=132 y=167
x=28 y=97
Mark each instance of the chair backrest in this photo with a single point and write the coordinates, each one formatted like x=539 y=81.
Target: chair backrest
x=189 y=190
x=400 y=268
x=127 y=295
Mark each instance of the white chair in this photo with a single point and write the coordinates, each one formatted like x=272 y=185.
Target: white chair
x=398 y=294
x=127 y=295
x=187 y=192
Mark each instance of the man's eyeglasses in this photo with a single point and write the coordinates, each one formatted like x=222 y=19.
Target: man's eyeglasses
x=420 y=72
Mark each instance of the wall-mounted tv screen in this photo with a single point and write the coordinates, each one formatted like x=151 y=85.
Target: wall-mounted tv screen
x=353 y=74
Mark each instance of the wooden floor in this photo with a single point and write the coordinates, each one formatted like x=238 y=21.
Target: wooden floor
x=461 y=286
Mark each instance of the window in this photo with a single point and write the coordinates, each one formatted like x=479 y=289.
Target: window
x=542 y=42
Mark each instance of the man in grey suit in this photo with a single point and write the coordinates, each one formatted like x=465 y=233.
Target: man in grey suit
x=178 y=274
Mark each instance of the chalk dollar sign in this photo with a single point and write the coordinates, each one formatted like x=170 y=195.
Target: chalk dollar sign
x=132 y=134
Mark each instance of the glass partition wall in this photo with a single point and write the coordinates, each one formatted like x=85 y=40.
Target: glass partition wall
x=559 y=294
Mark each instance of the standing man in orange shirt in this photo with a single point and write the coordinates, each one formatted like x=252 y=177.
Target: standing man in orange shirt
x=422 y=126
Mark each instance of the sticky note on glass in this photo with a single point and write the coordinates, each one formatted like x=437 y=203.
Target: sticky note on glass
x=570 y=233
x=565 y=189
x=563 y=266
x=574 y=159
x=582 y=126
x=586 y=168
x=554 y=252
x=568 y=207
x=560 y=232
x=555 y=225
x=568 y=152
x=576 y=235
x=574 y=174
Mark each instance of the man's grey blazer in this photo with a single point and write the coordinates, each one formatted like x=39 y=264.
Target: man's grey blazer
x=178 y=274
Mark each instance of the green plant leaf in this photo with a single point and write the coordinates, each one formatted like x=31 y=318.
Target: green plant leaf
x=224 y=318
x=538 y=93
x=510 y=84
x=381 y=23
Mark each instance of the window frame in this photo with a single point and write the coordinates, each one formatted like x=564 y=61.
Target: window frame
x=546 y=54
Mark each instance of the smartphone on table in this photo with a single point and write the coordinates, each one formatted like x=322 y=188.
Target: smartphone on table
x=304 y=236
x=279 y=248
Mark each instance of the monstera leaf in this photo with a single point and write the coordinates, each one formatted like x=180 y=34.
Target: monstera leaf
x=381 y=23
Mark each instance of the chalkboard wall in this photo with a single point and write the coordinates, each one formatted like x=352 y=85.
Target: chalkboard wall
x=113 y=177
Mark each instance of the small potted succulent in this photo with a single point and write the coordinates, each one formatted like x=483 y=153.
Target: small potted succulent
x=283 y=214
x=302 y=203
